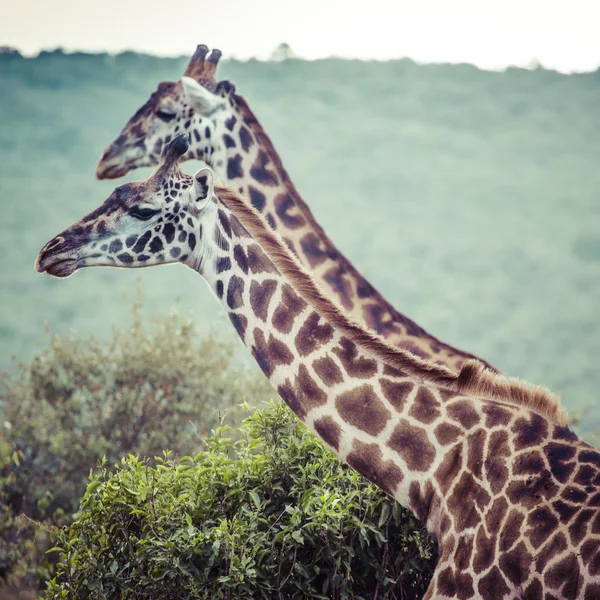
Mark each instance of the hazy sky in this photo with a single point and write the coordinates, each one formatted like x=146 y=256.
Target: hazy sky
x=562 y=34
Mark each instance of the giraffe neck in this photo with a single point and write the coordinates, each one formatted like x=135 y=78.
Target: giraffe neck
x=404 y=423
x=374 y=416
x=248 y=162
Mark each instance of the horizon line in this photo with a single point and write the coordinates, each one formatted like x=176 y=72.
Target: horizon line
x=533 y=65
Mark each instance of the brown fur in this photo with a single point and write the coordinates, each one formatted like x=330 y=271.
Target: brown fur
x=473 y=379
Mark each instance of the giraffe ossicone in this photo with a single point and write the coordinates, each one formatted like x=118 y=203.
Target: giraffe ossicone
x=511 y=495
x=225 y=134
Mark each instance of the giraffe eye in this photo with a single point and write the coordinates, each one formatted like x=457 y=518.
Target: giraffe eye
x=143 y=214
x=165 y=116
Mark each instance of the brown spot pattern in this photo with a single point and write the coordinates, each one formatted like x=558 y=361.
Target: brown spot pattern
x=238 y=229
x=493 y=585
x=484 y=550
x=335 y=277
x=476 y=445
x=355 y=365
x=289 y=397
x=534 y=590
x=367 y=459
x=235 y=289
x=307 y=391
x=240 y=322
x=310 y=245
x=455 y=585
x=464 y=551
x=516 y=563
x=260 y=297
x=495 y=516
x=329 y=431
x=312 y=336
x=449 y=468
x=559 y=457
x=239 y=255
x=224 y=221
x=579 y=528
x=289 y=308
x=327 y=371
x=541 y=523
x=425 y=406
x=529 y=432
x=466 y=495
x=463 y=412
x=496 y=460
x=271 y=353
x=412 y=445
x=396 y=392
x=258 y=262
x=261 y=172
x=565 y=576
x=592 y=592
x=420 y=499
x=496 y=415
x=283 y=207
x=362 y=408
x=511 y=530
x=446 y=433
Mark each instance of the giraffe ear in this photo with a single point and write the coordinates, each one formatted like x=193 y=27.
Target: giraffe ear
x=203 y=185
x=199 y=97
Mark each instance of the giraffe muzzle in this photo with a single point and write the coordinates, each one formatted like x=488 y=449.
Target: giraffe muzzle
x=53 y=260
x=110 y=165
x=121 y=157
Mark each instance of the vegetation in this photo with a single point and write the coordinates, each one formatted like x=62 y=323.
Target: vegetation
x=261 y=511
x=275 y=515
x=149 y=388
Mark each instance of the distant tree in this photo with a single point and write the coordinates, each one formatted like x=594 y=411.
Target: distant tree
x=56 y=52
x=282 y=52
x=9 y=51
x=534 y=64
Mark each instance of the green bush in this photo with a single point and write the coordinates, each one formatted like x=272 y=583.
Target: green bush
x=150 y=387
x=273 y=515
x=267 y=513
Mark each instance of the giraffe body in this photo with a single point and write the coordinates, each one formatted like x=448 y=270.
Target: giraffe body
x=511 y=494
x=226 y=135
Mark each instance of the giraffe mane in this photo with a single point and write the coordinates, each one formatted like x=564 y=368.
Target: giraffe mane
x=474 y=379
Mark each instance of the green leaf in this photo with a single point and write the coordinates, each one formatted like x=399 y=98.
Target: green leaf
x=298 y=537
x=255 y=498
x=385 y=513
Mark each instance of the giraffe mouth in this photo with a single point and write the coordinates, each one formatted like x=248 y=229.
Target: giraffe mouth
x=63 y=268
x=59 y=268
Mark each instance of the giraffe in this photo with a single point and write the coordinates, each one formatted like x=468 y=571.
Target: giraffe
x=228 y=137
x=509 y=492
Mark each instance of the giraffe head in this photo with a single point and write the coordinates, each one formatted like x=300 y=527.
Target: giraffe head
x=156 y=221
x=196 y=105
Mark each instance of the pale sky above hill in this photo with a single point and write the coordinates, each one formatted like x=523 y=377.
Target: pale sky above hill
x=561 y=34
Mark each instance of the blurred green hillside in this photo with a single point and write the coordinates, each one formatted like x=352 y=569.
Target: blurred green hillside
x=469 y=198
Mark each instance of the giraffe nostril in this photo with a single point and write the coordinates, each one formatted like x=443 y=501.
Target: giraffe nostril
x=54 y=243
